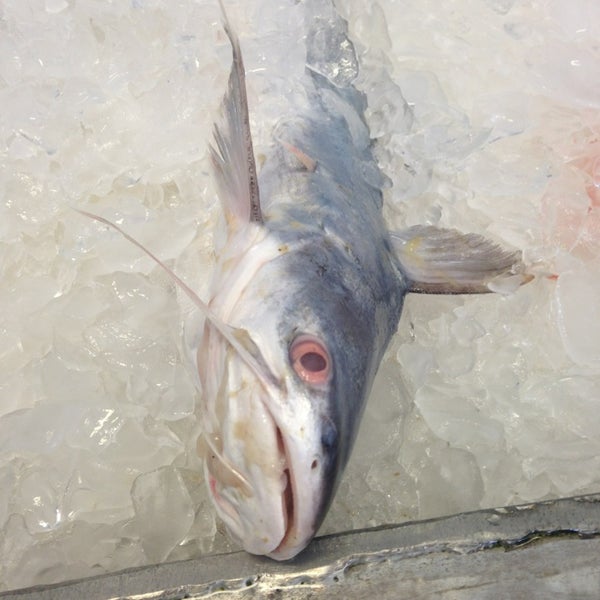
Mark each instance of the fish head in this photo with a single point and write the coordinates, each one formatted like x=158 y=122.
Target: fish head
x=280 y=430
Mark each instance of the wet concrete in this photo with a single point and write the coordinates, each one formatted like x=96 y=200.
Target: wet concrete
x=544 y=550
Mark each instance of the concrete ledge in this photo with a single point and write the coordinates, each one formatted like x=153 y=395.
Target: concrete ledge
x=543 y=550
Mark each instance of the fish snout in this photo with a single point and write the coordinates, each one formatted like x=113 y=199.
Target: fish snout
x=312 y=480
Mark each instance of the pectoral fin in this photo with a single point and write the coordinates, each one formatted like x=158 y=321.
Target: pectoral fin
x=446 y=261
x=232 y=153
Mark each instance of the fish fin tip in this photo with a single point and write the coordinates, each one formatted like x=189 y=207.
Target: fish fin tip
x=446 y=261
x=232 y=153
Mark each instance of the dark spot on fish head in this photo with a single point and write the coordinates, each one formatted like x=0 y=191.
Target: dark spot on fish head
x=320 y=260
x=329 y=437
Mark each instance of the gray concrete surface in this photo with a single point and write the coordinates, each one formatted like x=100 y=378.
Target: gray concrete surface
x=546 y=550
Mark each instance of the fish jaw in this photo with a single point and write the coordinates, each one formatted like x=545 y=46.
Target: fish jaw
x=254 y=513
x=273 y=482
x=310 y=489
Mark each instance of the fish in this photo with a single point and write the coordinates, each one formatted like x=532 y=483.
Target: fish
x=306 y=294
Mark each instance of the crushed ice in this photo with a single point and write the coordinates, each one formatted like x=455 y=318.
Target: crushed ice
x=487 y=118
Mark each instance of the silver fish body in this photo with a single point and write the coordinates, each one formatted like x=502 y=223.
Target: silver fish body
x=319 y=266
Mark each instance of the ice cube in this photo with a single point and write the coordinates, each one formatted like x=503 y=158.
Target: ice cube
x=8 y=482
x=164 y=511
x=14 y=543
x=453 y=418
x=40 y=499
x=577 y=299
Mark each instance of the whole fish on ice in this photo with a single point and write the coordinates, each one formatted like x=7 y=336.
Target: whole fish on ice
x=307 y=292
x=312 y=284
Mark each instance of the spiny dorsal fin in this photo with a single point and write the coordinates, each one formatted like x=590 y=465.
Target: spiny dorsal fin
x=446 y=261
x=232 y=154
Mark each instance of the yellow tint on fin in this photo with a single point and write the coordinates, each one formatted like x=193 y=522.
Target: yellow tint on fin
x=446 y=261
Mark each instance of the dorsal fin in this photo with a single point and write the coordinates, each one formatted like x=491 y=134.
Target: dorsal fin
x=232 y=153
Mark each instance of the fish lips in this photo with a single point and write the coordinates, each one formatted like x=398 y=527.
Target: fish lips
x=312 y=478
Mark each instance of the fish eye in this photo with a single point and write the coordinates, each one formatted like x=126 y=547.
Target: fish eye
x=310 y=360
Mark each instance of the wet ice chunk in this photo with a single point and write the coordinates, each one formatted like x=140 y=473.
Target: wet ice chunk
x=164 y=511
x=40 y=496
x=454 y=419
x=14 y=542
x=56 y=6
x=7 y=484
x=578 y=303
x=37 y=430
x=330 y=52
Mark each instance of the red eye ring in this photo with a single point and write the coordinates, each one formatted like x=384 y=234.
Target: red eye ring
x=310 y=360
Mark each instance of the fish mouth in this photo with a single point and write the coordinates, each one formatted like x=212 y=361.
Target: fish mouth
x=301 y=499
x=272 y=513
x=281 y=552
x=287 y=501
x=241 y=517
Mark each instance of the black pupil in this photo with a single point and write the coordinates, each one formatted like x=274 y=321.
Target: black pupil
x=313 y=362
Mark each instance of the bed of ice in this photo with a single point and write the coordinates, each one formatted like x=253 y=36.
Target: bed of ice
x=487 y=116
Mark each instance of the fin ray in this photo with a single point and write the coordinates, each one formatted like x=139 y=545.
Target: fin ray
x=232 y=152
x=446 y=261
